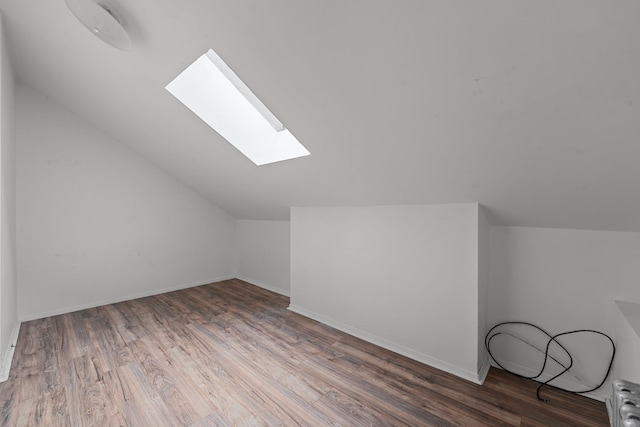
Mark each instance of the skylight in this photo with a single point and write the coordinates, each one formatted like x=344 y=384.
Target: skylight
x=211 y=90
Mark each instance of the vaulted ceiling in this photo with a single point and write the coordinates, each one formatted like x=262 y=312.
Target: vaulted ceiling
x=531 y=108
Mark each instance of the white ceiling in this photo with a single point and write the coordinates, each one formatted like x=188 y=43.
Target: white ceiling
x=528 y=107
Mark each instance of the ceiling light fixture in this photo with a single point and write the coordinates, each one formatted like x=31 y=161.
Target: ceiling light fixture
x=212 y=91
x=102 y=20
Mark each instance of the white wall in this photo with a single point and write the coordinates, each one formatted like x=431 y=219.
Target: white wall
x=264 y=254
x=8 y=299
x=403 y=277
x=483 y=289
x=97 y=223
x=627 y=336
x=561 y=280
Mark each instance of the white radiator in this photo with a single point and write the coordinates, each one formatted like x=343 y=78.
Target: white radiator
x=624 y=405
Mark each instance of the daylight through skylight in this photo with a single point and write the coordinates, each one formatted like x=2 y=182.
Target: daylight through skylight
x=210 y=89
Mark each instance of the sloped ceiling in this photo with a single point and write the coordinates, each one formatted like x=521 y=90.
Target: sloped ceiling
x=528 y=107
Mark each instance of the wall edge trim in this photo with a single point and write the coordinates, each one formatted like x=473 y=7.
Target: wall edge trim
x=389 y=345
x=484 y=370
x=8 y=353
x=560 y=382
x=264 y=285
x=108 y=301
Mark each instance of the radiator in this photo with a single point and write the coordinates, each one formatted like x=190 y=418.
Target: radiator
x=624 y=405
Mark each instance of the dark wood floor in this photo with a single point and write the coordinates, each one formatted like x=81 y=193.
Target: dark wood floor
x=230 y=354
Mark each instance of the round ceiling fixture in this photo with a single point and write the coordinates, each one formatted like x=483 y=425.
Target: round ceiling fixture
x=103 y=21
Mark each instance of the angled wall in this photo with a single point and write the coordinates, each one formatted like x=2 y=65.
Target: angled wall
x=403 y=277
x=97 y=223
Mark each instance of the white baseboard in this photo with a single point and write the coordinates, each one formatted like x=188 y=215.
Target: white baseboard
x=263 y=285
x=7 y=358
x=106 y=301
x=458 y=371
x=599 y=395
x=483 y=370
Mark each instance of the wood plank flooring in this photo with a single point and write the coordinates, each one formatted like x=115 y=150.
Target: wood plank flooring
x=230 y=354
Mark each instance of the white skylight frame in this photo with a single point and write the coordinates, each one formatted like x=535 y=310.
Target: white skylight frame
x=212 y=91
